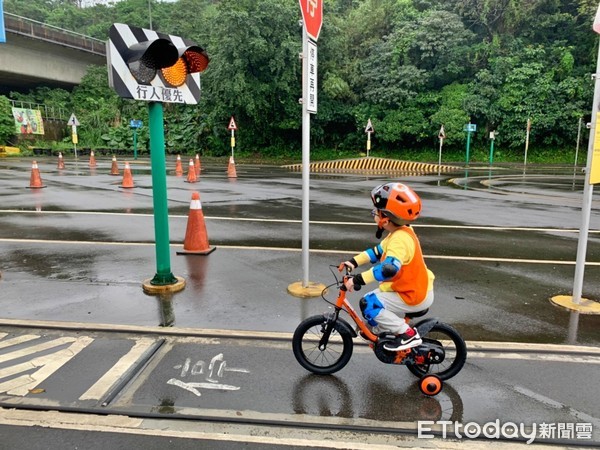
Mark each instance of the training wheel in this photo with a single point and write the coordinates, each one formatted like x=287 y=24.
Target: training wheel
x=430 y=385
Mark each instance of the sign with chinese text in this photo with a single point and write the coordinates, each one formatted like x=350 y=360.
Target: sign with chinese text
x=311 y=78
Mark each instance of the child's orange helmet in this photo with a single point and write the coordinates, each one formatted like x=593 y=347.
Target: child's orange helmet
x=397 y=201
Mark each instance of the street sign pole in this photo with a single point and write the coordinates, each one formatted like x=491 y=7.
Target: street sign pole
x=492 y=139
x=74 y=138
x=305 y=161
x=74 y=123
x=163 y=276
x=468 y=143
x=588 y=190
x=312 y=20
x=527 y=140
x=135 y=143
x=577 y=144
x=441 y=137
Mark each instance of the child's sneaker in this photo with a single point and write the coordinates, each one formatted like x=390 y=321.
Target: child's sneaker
x=408 y=339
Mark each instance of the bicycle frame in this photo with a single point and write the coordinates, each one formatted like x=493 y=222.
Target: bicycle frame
x=343 y=303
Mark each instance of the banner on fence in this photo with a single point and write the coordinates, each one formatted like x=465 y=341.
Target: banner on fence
x=28 y=121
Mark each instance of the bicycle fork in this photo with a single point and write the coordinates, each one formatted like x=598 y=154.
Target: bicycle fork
x=328 y=327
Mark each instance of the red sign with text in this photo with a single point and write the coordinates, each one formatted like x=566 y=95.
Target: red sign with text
x=312 y=15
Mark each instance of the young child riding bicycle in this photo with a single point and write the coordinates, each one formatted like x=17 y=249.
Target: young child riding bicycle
x=405 y=282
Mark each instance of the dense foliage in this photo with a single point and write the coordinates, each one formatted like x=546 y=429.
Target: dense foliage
x=409 y=65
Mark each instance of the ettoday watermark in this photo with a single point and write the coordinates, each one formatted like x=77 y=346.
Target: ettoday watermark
x=507 y=430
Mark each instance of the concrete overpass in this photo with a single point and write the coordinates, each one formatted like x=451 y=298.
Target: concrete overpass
x=36 y=54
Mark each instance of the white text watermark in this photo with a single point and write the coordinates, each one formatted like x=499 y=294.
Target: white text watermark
x=508 y=430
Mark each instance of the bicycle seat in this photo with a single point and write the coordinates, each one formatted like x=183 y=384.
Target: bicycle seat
x=412 y=315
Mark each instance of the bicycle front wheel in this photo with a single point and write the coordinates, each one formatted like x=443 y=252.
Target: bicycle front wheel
x=324 y=359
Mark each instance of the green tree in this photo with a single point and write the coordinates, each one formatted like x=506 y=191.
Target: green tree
x=7 y=123
x=254 y=72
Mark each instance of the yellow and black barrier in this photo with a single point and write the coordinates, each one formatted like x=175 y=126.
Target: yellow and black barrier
x=5 y=150
x=374 y=165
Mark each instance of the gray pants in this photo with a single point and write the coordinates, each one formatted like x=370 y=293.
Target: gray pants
x=391 y=317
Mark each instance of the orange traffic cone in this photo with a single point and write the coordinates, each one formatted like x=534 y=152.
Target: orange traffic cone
x=35 y=181
x=178 y=168
x=92 y=159
x=61 y=161
x=127 y=177
x=191 y=176
x=197 y=165
x=114 y=168
x=231 y=173
x=196 y=239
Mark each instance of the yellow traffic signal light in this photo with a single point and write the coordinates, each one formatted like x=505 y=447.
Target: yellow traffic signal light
x=192 y=60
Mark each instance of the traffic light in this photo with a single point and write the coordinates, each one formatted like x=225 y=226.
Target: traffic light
x=191 y=59
x=145 y=58
x=151 y=66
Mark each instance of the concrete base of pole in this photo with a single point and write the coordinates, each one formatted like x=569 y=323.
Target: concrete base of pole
x=169 y=288
x=585 y=306
x=312 y=290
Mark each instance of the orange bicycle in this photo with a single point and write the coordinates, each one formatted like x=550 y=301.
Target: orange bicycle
x=323 y=344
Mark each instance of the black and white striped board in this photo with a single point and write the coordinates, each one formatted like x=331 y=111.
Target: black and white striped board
x=121 y=37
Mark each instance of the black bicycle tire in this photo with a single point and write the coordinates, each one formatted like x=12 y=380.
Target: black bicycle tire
x=457 y=364
x=305 y=361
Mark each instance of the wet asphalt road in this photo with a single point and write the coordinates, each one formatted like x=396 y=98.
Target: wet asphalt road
x=499 y=250
x=501 y=243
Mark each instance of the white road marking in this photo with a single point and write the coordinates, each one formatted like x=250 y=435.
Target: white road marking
x=583 y=359
x=16 y=340
x=50 y=364
x=194 y=387
x=35 y=348
x=296 y=250
x=294 y=221
x=101 y=387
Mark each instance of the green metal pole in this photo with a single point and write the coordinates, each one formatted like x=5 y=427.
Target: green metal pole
x=159 y=193
x=135 y=143
x=468 y=144
x=492 y=152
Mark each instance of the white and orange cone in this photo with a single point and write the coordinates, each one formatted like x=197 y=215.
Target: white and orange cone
x=191 y=176
x=197 y=165
x=196 y=239
x=61 y=161
x=92 y=159
x=178 y=168
x=231 y=172
x=127 y=177
x=114 y=168
x=35 y=182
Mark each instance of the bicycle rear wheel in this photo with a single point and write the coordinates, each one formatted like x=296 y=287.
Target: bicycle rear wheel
x=331 y=357
x=455 y=353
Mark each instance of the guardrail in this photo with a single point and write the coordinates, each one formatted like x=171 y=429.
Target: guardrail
x=38 y=30
x=373 y=165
